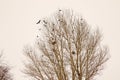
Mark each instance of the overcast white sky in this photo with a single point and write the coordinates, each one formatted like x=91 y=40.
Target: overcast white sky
x=18 y=27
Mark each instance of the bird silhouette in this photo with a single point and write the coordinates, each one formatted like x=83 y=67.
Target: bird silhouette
x=38 y=22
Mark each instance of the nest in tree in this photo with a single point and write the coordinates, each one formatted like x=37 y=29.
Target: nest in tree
x=73 y=52
x=54 y=42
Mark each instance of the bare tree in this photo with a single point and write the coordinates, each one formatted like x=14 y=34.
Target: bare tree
x=69 y=50
x=4 y=70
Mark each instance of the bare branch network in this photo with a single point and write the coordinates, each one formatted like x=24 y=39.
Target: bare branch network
x=70 y=50
x=4 y=70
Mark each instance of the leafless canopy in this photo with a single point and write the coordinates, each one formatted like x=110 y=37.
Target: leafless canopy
x=4 y=71
x=69 y=50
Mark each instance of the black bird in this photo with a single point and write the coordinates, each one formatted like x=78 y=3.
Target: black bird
x=38 y=22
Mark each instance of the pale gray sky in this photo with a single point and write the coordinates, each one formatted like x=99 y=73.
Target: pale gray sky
x=18 y=27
